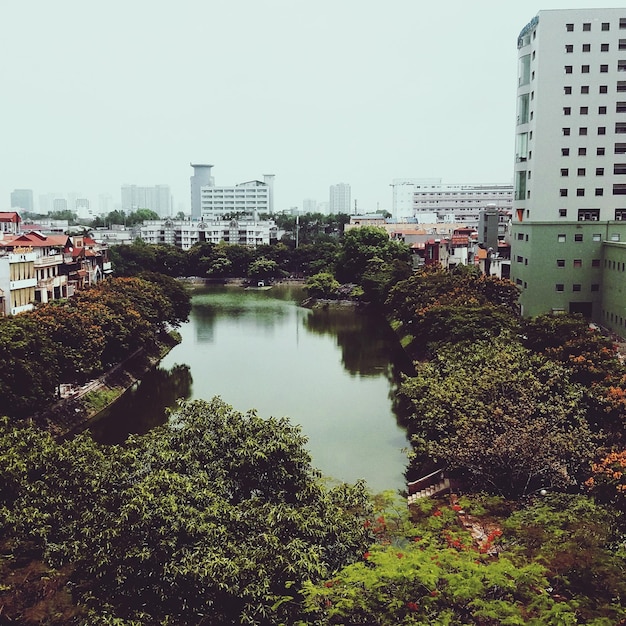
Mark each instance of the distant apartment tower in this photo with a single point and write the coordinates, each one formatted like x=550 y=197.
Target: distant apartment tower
x=339 y=201
x=570 y=162
x=201 y=178
x=309 y=205
x=22 y=199
x=157 y=198
x=253 y=197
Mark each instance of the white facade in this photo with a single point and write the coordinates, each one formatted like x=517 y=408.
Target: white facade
x=157 y=198
x=339 y=199
x=17 y=282
x=462 y=202
x=571 y=116
x=184 y=234
x=249 y=198
x=402 y=196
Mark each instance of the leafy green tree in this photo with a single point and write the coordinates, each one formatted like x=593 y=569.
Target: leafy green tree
x=263 y=269
x=175 y=293
x=130 y=260
x=322 y=285
x=217 y=518
x=360 y=246
x=506 y=420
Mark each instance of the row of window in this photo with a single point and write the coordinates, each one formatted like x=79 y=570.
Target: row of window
x=618 y=190
x=620 y=87
x=620 y=107
x=618 y=168
x=586 y=26
x=578 y=263
x=576 y=287
x=601 y=130
x=604 y=68
x=604 y=47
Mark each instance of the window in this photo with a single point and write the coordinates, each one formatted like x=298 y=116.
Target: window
x=564 y=151
x=622 y=44
x=520 y=236
x=622 y=22
x=587 y=26
x=581 y=171
x=561 y=238
x=595 y=287
x=569 y=28
x=620 y=107
x=606 y=26
x=578 y=237
x=559 y=287
x=621 y=66
x=599 y=151
x=601 y=130
x=584 y=110
x=524 y=70
x=580 y=192
x=596 y=237
x=620 y=215
x=566 y=131
x=584 y=69
x=568 y=69
x=523 y=107
x=615 y=237
x=621 y=86
x=562 y=193
x=519 y=259
x=620 y=127
x=595 y=263
x=567 y=110
x=586 y=215
x=562 y=212
x=586 y=47
x=564 y=171
x=582 y=151
x=604 y=69
x=599 y=171
x=603 y=89
x=619 y=168
x=619 y=190
x=604 y=47
x=576 y=287
x=583 y=130
x=620 y=148
x=584 y=89
x=560 y=262
x=601 y=110
x=599 y=191
x=578 y=262
x=569 y=48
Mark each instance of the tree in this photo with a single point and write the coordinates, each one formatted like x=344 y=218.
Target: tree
x=360 y=246
x=506 y=420
x=322 y=285
x=263 y=269
x=217 y=518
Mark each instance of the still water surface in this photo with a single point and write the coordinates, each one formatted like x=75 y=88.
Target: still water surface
x=335 y=373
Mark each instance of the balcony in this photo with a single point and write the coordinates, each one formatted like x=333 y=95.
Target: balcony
x=49 y=260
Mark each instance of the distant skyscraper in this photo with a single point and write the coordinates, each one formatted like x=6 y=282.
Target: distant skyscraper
x=309 y=205
x=22 y=199
x=201 y=178
x=157 y=198
x=339 y=198
x=59 y=204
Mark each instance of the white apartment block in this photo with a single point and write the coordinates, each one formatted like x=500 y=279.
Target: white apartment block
x=157 y=198
x=250 y=198
x=339 y=199
x=184 y=234
x=570 y=157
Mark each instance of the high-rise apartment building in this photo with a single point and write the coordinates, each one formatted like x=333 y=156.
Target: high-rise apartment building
x=201 y=178
x=22 y=199
x=570 y=160
x=339 y=198
x=157 y=198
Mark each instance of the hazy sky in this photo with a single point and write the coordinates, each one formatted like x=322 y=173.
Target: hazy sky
x=97 y=94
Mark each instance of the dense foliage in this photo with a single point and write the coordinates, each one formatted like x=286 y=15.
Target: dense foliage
x=75 y=340
x=216 y=518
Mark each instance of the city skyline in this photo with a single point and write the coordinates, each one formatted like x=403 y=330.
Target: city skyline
x=312 y=93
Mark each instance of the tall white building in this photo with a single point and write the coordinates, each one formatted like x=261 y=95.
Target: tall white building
x=570 y=157
x=249 y=198
x=339 y=198
x=157 y=198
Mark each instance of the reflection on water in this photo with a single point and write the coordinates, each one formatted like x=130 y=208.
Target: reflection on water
x=333 y=372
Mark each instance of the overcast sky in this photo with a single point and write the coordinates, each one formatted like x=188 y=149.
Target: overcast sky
x=98 y=94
